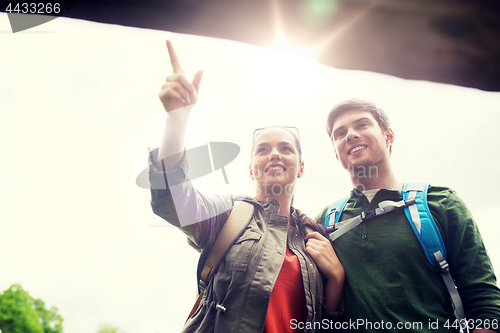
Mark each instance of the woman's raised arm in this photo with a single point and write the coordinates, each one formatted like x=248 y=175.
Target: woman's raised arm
x=178 y=97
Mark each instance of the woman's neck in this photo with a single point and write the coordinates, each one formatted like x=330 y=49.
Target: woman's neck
x=284 y=199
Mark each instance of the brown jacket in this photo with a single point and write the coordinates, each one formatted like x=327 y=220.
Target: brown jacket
x=245 y=277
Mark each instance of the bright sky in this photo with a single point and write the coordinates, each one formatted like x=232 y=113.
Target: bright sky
x=76 y=231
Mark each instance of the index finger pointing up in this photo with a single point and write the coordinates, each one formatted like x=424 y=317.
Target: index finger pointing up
x=173 y=58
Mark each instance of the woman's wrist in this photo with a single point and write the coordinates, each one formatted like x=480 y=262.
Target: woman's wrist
x=337 y=274
x=172 y=145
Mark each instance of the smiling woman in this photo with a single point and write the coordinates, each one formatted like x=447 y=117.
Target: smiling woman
x=281 y=256
x=276 y=162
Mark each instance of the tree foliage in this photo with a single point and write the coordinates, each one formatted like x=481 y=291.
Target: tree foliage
x=105 y=328
x=50 y=320
x=21 y=313
x=17 y=312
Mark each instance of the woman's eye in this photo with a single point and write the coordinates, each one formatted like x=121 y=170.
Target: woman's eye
x=363 y=125
x=261 y=150
x=287 y=148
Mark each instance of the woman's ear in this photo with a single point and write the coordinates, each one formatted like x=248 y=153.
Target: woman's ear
x=251 y=172
x=301 y=170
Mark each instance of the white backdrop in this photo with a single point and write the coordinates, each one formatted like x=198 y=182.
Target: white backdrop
x=76 y=231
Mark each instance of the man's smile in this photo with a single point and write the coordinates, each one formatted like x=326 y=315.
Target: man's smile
x=356 y=149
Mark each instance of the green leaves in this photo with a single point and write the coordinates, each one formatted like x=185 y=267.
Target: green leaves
x=104 y=328
x=21 y=313
x=50 y=320
x=17 y=312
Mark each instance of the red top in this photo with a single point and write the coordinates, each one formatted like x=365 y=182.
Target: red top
x=288 y=300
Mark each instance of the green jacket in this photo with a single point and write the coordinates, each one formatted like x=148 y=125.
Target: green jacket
x=245 y=278
x=389 y=280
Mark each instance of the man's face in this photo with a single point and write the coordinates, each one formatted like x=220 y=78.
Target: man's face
x=359 y=141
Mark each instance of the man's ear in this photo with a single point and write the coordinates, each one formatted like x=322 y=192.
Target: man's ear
x=389 y=137
x=251 y=172
x=301 y=170
x=335 y=150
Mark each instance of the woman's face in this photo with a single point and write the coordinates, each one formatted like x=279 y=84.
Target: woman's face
x=275 y=162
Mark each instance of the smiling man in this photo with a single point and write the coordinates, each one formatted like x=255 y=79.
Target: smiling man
x=390 y=285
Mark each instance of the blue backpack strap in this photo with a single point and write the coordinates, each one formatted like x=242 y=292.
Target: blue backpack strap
x=428 y=235
x=422 y=223
x=336 y=209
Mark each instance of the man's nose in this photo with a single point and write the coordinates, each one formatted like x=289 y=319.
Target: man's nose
x=351 y=135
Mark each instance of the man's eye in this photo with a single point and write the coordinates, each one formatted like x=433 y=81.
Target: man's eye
x=287 y=148
x=339 y=135
x=261 y=150
x=363 y=125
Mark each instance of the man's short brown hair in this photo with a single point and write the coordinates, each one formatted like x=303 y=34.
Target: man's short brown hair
x=357 y=104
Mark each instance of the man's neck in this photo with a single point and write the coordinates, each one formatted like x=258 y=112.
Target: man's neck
x=382 y=178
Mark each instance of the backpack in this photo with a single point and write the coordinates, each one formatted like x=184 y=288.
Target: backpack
x=417 y=212
x=239 y=218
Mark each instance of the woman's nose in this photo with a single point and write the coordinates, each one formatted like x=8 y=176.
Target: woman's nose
x=275 y=154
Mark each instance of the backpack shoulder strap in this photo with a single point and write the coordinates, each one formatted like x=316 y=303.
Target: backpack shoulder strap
x=422 y=223
x=239 y=218
x=428 y=235
x=335 y=210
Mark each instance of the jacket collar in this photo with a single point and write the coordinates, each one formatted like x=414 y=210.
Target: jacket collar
x=272 y=205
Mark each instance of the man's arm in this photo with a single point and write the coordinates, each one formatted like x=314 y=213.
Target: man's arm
x=470 y=266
